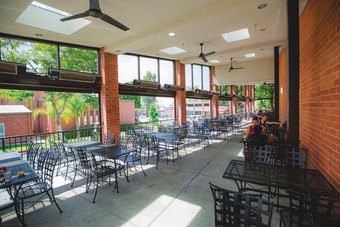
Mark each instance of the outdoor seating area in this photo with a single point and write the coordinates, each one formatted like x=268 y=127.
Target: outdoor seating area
x=153 y=164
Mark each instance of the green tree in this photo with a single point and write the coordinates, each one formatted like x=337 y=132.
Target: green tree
x=77 y=105
x=55 y=107
x=153 y=114
x=17 y=95
x=265 y=93
x=149 y=100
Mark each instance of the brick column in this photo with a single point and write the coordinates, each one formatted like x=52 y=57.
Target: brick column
x=246 y=102
x=109 y=93
x=180 y=98
x=233 y=100
x=214 y=99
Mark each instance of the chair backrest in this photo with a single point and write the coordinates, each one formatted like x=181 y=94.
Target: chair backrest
x=83 y=160
x=32 y=154
x=239 y=209
x=325 y=211
x=48 y=169
x=247 y=150
x=43 y=152
x=264 y=154
x=109 y=138
x=95 y=135
x=297 y=157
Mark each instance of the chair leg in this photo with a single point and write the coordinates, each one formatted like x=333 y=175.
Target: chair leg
x=141 y=165
x=95 y=194
x=75 y=173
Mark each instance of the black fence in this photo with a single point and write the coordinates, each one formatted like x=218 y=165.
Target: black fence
x=21 y=143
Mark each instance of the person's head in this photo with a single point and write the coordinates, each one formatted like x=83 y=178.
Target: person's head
x=257 y=129
x=255 y=121
x=264 y=118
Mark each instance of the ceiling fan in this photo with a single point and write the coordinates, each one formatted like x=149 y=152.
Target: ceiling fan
x=94 y=11
x=231 y=65
x=203 y=55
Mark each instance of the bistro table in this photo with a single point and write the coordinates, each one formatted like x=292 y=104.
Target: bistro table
x=168 y=138
x=301 y=180
x=111 y=151
x=82 y=143
x=14 y=163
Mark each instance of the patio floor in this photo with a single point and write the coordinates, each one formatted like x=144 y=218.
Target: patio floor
x=177 y=194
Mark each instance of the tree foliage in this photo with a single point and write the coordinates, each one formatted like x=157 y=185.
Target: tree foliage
x=266 y=93
x=149 y=100
x=153 y=114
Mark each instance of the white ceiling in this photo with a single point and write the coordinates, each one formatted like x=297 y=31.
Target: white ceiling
x=150 y=21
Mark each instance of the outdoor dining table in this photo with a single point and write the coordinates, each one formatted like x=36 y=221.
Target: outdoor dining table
x=14 y=164
x=309 y=181
x=82 y=143
x=113 y=152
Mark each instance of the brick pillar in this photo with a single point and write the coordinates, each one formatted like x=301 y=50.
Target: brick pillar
x=233 y=100
x=214 y=99
x=109 y=93
x=180 y=98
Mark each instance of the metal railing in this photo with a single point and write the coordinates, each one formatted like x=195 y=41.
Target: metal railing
x=21 y=142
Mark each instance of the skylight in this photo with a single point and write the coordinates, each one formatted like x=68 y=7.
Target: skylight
x=173 y=50
x=48 y=18
x=236 y=35
x=250 y=55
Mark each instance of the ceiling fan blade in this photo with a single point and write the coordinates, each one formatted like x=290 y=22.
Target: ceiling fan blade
x=80 y=15
x=203 y=58
x=230 y=69
x=113 y=22
x=210 y=53
x=238 y=68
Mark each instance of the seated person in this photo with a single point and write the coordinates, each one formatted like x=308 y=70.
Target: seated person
x=250 y=128
x=257 y=139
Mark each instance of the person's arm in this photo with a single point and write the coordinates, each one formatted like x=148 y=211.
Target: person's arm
x=248 y=131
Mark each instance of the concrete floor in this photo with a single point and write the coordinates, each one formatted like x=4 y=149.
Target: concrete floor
x=173 y=195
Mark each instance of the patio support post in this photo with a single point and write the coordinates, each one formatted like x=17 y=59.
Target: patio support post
x=109 y=93
x=293 y=73
x=277 y=82
x=180 y=98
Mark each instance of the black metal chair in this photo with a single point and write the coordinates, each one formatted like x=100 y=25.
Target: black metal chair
x=83 y=164
x=32 y=153
x=41 y=187
x=138 y=143
x=100 y=170
x=306 y=210
x=109 y=138
x=239 y=209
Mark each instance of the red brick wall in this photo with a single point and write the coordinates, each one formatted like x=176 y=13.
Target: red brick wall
x=180 y=99
x=109 y=93
x=233 y=100
x=320 y=86
x=283 y=86
x=17 y=124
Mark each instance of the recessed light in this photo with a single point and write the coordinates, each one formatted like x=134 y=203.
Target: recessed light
x=262 y=6
x=172 y=33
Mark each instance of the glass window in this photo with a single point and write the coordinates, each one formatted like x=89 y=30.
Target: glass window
x=197 y=76
x=188 y=77
x=38 y=57
x=206 y=78
x=148 y=69
x=127 y=68
x=167 y=74
x=78 y=59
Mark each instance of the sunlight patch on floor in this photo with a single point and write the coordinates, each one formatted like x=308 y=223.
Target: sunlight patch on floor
x=168 y=211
